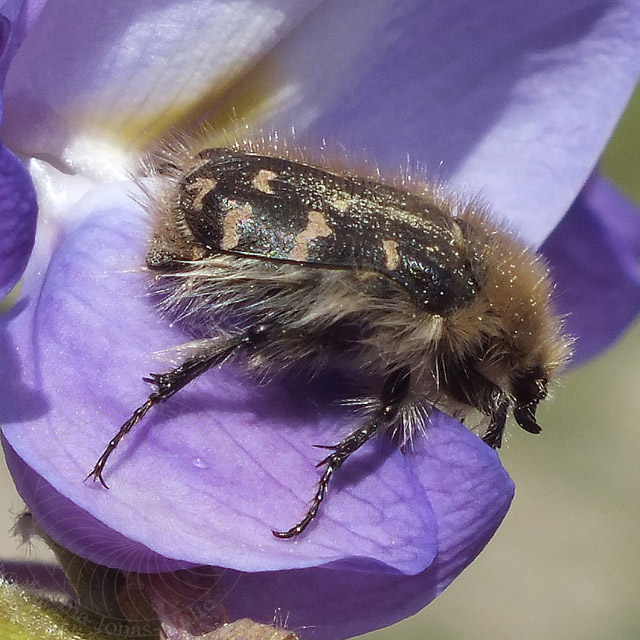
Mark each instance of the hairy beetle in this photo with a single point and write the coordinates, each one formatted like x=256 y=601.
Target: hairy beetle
x=424 y=296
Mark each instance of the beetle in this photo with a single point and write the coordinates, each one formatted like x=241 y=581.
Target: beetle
x=428 y=299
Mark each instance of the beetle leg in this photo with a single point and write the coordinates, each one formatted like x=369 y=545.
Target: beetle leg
x=394 y=392
x=168 y=384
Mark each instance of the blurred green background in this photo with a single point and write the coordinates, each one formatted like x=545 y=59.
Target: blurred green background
x=566 y=562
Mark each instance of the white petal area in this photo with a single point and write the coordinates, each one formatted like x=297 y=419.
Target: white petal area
x=122 y=72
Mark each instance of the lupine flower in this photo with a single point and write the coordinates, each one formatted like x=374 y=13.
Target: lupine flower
x=510 y=100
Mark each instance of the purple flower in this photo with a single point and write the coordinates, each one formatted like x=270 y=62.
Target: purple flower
x=593 y=253
x=509 y=99
x=18 y=208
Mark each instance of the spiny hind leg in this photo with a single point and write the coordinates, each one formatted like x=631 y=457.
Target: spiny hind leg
x=394 y=392
x=168 y=384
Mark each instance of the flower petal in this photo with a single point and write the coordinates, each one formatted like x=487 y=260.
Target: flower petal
x=470 y=493
x=16 y=18
x=594 y=256
x=18 y=217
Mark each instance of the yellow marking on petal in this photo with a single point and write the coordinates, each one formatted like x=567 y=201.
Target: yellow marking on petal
x=217 y=116
x=226 y=112
x=11 y=298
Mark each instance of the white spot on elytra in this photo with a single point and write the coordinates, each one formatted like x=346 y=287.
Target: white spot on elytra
x=230 y=235
x=203 y=187
x=262 y=179
x=391 y=256
x=317 y=227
